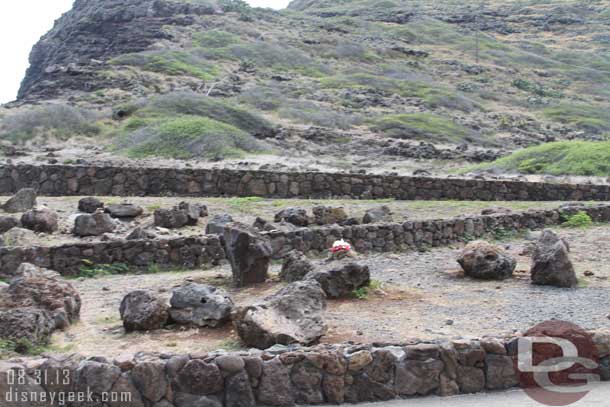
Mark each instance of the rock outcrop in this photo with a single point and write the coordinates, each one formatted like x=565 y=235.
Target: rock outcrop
x=295 y=267
x=341 y=280
x=143 y=311
x=93 y=225
x=551 y=264
x=200 y=305
x=23 y=200
x=292 y=315
x=486 y=261
x=41 y=220
x=249 y=253
x=184 y=214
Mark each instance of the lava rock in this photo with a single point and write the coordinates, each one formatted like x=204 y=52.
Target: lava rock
x=19 y=237
x=295 y=267
x=496 y=211
x=23 y=200
x=377 y=215
x=32 y=324
x=295 y=216
x=41 y=220
x=216 y=225
x=185 y=214
x=551 y=264
x=141 y=233
x=143 y=311
x=200 y=305
x=93 y=225
x=124 y=210
x=249 y=253
x=292 y=315
x=328 y=215
x=90 y=205
x=342 y=280
x=485 y=261
x=7 y=223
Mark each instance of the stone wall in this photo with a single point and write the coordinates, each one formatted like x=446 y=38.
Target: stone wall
x=59 y=180
x=283 y=377
x=184 y=252
x=195 y=252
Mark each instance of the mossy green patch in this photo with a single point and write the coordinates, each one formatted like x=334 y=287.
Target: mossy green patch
x=421 y=126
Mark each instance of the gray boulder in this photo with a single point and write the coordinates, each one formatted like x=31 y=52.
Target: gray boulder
x=249 y=253
x=90 y=204
x=7 y=223
x=141 y=233
x=23 y=200
x=93 y=225
x=184 y=214
x=216 y=225
x=328 y=215
x=41 y=220
x=124 y=210
x=295 y=267
x=551 y=264
x=295 y=216
x=292 y=315
x=486 y=261
x=200 y=305
x=32 y=324
x=378 y=215
x=341 y=280
x=143 y=311
x=19 y=237
x=496 y=211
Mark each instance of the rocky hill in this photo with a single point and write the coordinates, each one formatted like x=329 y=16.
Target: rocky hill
x=341 y=84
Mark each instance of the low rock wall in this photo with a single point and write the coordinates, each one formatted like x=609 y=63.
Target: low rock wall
x=63 y=180
x=330 y=374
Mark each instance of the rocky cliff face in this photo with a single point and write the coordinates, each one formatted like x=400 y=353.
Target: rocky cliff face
x=70 y=56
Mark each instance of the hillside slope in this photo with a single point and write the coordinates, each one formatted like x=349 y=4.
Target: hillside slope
x=364 y=78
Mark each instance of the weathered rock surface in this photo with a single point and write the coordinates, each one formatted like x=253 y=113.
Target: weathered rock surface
x=496 y=211
x=23 y=200
x=295 y=267
x=143 y=311
x=551 y=264
x=184 y=214
x=200 y=305
x=41 y=220
x=90 y=204
x=124 y=210
x=93 y=225
x=328 y=215
x=486 y=261
x=292 y=315
x=341 y=280
x=295 y=216
x=141 y=233
x=378 y=215
x=216 y=225
x=7 y=223
x=35 y=325
x=249 y=253
x=19 y=237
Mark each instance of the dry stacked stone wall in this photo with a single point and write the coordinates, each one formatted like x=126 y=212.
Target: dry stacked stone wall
x=331 y=374
x=194 y=252
x=61 y=180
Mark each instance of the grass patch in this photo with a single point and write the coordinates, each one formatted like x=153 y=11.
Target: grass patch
x=577 y=220
x=420 y=126
x=362 y=293
x=170 y=62
x=21 y=346
x=92 y=270
x=586 y=158
x=587 y=117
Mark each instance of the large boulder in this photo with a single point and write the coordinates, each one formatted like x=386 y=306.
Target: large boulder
x=41 y=220
x=124 y=210
x=249 y=253
x=216 y=225
x=295 y=267
x=341 y=280
x=378 y=215
x=93 y=225
x=7 y=223
x=44 y=289
x=551 y=264
x=143 y=311
x=200 y=305
x=19 y=237
x=184 y=214
x=26 y=325
x=23 y=200
x=90 y=204
x=296 y=216
x=486 y=261
x=292 y=315
x=328 y=215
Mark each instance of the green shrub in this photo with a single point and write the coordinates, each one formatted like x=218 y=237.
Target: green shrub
x=308 y=112
x=536 y=88
x=422 y=126
x=56 y=120
x=91 y=270
x=216 y=39
x=585 y=158
x=170 y=62
x=362 y=293
x=189 y=137
x=577 y=220
x=587 y=117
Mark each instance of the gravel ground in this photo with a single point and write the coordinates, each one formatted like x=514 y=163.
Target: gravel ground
x=423 y=295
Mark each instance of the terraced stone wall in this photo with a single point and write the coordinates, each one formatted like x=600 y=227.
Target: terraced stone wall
x=282 y=377
x=62 y=180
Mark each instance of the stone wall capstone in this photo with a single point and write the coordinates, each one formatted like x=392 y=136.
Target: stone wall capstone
x=63 y=180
